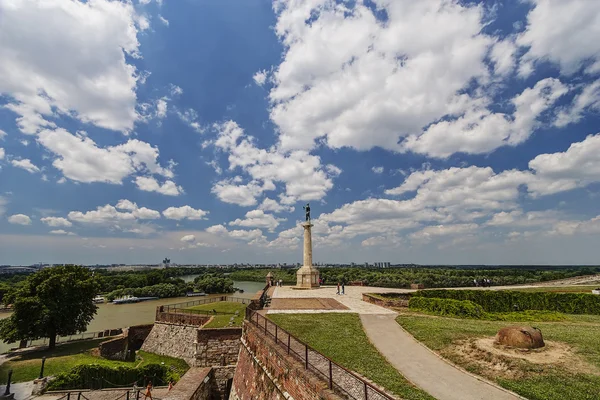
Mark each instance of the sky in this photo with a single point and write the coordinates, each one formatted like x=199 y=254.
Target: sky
x=429 y=132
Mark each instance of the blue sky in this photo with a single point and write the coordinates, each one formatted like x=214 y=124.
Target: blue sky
x=451 y=132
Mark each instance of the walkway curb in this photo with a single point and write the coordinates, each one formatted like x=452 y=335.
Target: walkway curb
x=479 y=378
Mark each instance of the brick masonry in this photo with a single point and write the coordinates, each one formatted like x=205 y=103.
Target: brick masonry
x=219 y=346
x=265 y=371
x=196 y=384
x=124 y=346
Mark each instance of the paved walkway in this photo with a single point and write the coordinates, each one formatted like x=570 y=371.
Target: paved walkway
x=424 y=368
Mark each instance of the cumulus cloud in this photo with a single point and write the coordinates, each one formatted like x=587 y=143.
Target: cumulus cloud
x=2 y=153
x=19 y=219
x=53 y=60
x=62 y=232
x=378 y=170
x=25 y=164
x=188 y=238
x=184 y=212
x=150 y=184
x=260 y=77
x=258 y=219
x=301 y=173
x=272 y=205
x=80 y=159
x=56 y=221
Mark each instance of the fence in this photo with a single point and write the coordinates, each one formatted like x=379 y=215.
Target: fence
x=181 y=314
x=79 y=336
x=340 y=380
x=198 y=302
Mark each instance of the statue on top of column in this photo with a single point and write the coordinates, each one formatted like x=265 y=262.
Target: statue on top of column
x=307 y=211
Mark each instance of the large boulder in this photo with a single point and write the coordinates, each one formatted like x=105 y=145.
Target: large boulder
x=522 y=337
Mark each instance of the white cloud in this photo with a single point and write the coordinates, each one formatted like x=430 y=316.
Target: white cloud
x=175 y=90
x=430 y=232
x=2 y=153
x=480 y=130
x=576 y=167
x=219 y=230
x=560 y=31
x=80 y=159
x=257 y=219
x=19 y=219
x=146 y=213
x=68 y=57
x=272 y=205
x=163 y=20
x=302 y=173
x=125 y=204
x=179 y=213
x=25 y=164
x=161 y=108
x=102 y=215
x=150 y=184
x=503 y=56
x=188 y=238
x=2 y=134
x=378 y=170
x=56 y=221
x=190 y=117
x=362 y=82
x=260 y=77
x=62 y=232
x=587 y=100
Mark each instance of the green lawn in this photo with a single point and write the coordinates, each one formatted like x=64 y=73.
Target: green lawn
x=224 y=311
x=534 y=381
x=560 y=289
x=341 y=338
x=66 y=356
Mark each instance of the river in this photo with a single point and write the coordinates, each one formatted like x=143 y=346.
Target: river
x=112 y=316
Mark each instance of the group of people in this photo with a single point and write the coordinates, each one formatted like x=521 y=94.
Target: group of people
x=342 y=286
x=484 y=282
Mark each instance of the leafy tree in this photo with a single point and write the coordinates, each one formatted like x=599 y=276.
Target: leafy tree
x=53 y=301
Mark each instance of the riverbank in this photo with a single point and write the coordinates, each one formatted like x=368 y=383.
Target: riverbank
x=114 y=316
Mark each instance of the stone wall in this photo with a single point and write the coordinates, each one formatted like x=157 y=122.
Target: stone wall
x=124 y=346
x=173 y=340
x=196 y=384
x=219 y=346
x=265 y=371
x=179 y=317
x=400 y=301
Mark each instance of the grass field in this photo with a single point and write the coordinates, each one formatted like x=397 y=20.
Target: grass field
x=341 y=338
x=560 y=289
x=225 y=310
x=533 y=381
x=66 y=356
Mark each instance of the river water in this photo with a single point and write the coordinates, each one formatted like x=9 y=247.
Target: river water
x=112 y=316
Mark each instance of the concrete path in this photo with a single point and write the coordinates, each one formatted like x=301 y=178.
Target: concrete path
x=423 y=368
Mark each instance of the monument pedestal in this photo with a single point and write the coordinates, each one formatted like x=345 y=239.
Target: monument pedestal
x=307 y=276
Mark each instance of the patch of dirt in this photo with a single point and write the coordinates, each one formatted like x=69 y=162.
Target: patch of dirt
x=307 y=304
x=493 y=361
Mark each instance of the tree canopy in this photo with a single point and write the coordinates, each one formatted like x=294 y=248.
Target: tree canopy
x=53 y=301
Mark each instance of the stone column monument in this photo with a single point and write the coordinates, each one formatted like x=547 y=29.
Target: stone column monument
x=307 y=276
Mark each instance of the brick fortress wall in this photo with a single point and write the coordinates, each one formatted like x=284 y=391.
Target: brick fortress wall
x=265 y=371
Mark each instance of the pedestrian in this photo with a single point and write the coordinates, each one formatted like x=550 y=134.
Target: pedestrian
x=338 y=288
x=148 y=391
x=170 y=385
x=343 y=287
x=475 y=282
x=281 y=283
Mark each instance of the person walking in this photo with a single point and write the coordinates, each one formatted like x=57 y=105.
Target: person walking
x=343 y=287
x=338 y=288
x=148 y=391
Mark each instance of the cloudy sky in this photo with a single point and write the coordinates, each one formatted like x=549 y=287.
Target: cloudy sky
x=436 y=131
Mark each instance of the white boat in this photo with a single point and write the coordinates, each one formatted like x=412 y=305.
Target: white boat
x=98 y=299
x=126 y=300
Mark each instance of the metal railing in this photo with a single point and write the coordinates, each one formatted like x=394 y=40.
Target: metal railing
x=209 y=300
x=79 y=336
x=341 y=380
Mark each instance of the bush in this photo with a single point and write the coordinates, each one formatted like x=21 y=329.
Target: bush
x=447 y=307
x=509 y=301
x=96 y=376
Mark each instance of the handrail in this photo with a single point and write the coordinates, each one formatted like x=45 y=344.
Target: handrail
x=340 y=379
x=208 y=301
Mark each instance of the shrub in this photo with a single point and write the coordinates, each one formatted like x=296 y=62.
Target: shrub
x=96 y=376
x=447 y=307
x=503 y=301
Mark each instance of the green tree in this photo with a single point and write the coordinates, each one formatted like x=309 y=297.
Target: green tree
x=53 y=301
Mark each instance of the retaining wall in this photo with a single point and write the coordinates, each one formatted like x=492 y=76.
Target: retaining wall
x=173 y=340
x=124 y=346
x=196 y=384
x=265 y=371
x=400 y=301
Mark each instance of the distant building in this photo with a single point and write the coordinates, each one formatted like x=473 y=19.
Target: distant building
x=166 y=262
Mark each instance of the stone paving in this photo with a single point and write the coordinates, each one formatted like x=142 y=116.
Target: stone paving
x=352 y=298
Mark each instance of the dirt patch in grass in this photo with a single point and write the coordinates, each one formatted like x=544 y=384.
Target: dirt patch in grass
x=494 y=361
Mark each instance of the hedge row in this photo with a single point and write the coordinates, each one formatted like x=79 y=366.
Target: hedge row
x=96 y=376
x=509 y=301
x=447 y=307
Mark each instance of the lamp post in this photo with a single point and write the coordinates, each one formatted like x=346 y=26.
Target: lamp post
x=42 y=369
